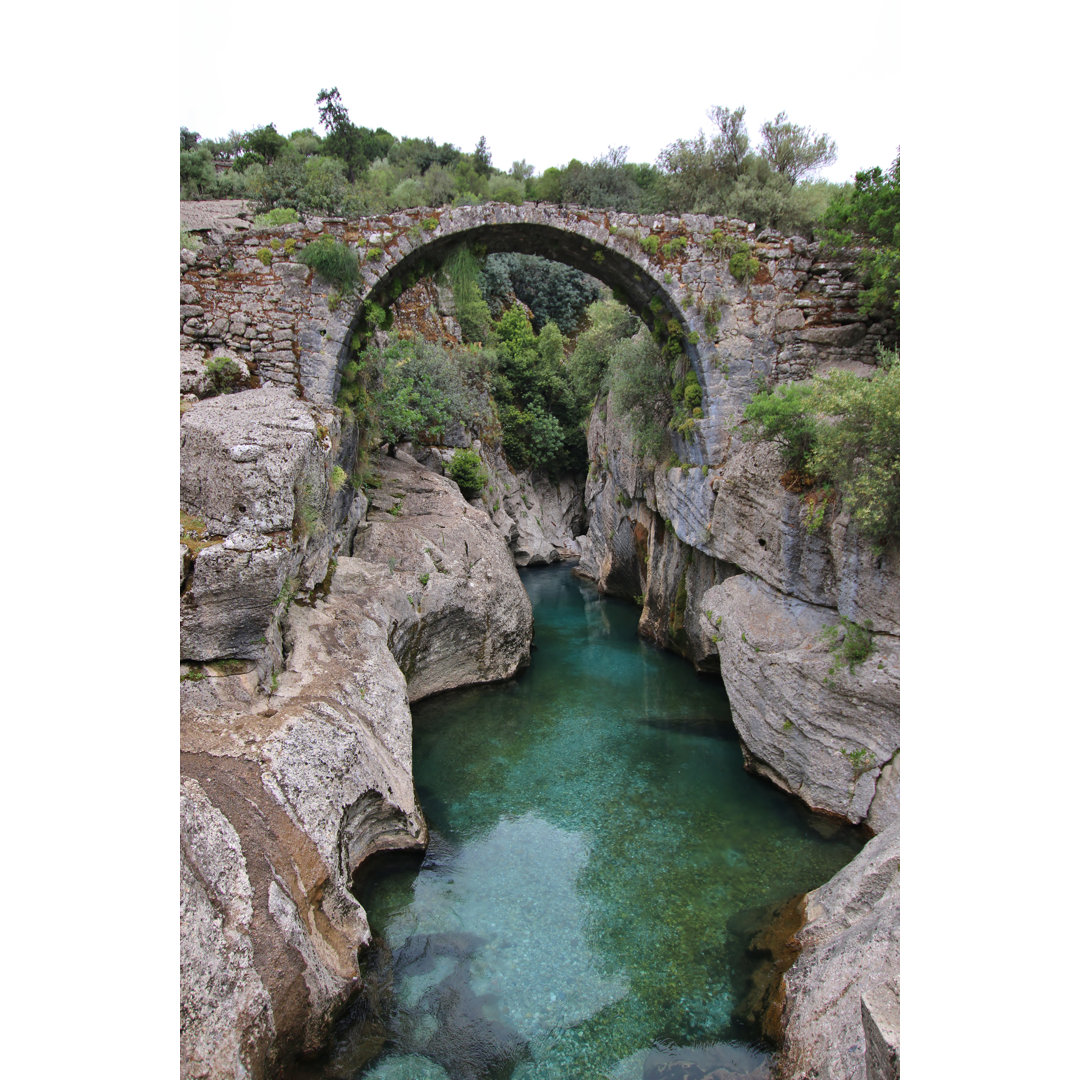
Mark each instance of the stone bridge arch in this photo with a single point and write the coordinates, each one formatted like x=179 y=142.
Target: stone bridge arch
x=245 y=293
x=590 y=241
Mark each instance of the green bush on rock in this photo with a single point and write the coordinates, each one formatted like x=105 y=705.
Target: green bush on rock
x=467 y=471
x=841 y=430
x=332 y=260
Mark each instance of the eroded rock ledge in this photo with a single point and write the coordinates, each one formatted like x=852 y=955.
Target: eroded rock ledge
x=296 y=759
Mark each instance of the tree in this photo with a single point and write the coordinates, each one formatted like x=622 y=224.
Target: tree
x=260 y=146
x=482 y=158
x=198 y=179
x=343 y=138
x=795 y=151
x=333 y=115
x=731 y=143
x=188 y=139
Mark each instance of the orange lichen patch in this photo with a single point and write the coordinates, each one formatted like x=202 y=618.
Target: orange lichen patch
x=796 y=481
x=195 y=546
x=777 y=946
x=416 y=312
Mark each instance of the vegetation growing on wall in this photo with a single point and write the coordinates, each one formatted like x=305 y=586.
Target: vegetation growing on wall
x=868 y=214
x=842 y=431
x=332 y=260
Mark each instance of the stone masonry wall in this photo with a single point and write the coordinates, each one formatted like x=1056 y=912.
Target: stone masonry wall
x=798 y=313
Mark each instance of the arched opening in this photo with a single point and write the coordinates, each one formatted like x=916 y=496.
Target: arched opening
x=652 y=300
x=634 y=280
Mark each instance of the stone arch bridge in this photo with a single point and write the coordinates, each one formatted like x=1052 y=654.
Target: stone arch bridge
x=245 y=295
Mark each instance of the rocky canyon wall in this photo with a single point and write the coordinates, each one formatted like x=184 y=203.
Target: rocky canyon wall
x=310 y=618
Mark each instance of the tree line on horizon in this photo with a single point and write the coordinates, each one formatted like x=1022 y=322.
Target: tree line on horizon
x=351 y=170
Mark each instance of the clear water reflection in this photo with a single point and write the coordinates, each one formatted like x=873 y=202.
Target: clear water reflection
x=598 y=856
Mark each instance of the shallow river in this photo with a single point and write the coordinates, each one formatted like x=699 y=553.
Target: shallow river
x=599 y=859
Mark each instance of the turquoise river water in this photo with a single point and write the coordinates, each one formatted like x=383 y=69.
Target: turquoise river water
x=598 y=862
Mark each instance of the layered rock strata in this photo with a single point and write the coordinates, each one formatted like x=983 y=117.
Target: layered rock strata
x=296 y=736
x=541 y=520
x=727 y=573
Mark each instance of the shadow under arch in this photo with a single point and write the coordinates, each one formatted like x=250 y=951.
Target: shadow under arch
x=633 y=281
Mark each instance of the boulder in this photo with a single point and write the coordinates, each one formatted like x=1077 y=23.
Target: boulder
x=254 y=477
x=460 y=612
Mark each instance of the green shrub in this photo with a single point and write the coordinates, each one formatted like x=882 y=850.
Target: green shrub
x=742 y=265
x=675 y=246
x=462 y=270
x=429 y=224
x=226 y=375
x=264 y=256
x=338 y=476
x=190 y=241
x=841 y=430
x=467 y=471
x=785 y=417
x=641 y=392
x=692 y=394
x=333 y=261
x=374 y=254
x=857 y=445
x=650 y=244
x=280 y=215
x=290 y=245
x=606 y=323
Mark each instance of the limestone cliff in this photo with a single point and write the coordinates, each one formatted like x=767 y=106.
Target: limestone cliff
x=296 y=737
x=717 y=552
x=728 y=575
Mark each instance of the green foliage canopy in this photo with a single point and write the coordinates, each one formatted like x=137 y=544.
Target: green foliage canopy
x=718 y=173
x=553 y=291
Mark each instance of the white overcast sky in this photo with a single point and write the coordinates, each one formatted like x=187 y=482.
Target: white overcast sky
x=548 y=82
